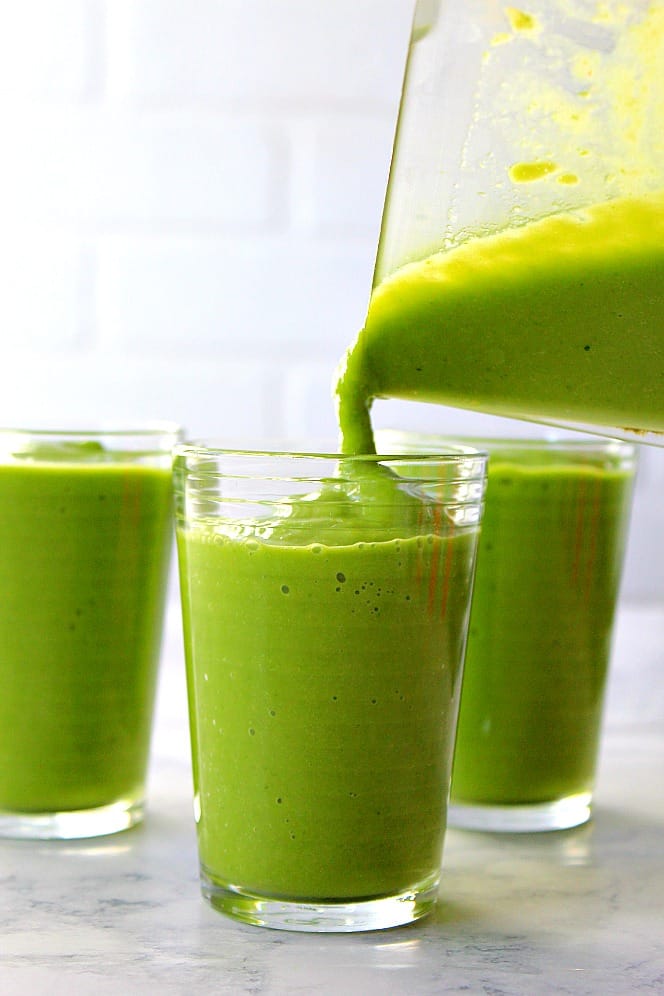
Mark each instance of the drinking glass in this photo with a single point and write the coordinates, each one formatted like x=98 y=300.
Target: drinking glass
x=546 y=586
x=325 y=603
x=85 y=539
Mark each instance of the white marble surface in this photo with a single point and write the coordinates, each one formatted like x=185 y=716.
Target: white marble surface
x=578 y=912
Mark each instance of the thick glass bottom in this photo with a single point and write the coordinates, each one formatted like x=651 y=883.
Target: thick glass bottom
x=562 y=814
x=326 y=916
x=73 y=824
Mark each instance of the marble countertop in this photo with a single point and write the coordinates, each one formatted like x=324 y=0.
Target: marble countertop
x=579 y=911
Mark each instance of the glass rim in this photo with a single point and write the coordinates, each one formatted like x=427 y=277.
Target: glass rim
x=452 y=452
x=115 y=430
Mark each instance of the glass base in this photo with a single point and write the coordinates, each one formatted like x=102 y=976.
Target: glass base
x=560 y=815
x=70 y=825
x=321 y=917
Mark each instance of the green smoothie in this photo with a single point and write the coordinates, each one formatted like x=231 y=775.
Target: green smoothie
x=84 y=541
x=560 y=319
x=324 y=656
x=548 y=572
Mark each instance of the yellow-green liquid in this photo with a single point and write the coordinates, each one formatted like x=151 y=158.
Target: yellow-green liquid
x=324 y=671
x=561 y=319
x=548 y=571
x=84 y=550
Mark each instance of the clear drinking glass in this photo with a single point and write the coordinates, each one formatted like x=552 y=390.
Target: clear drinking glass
x=546 y=585
x=325 y=604
x=523 y=231
x=85 y=540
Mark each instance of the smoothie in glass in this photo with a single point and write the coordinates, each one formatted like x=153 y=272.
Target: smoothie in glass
x=325 y=615
x=85 y=535
x=547 y=582
x=546 y=586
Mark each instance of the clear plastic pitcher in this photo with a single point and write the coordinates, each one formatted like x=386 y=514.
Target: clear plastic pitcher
x=512 y=115
x=520 y=269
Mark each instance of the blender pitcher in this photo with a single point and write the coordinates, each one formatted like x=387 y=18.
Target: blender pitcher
x=520 y=268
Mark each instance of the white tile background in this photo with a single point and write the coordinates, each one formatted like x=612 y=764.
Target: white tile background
x=190 y=200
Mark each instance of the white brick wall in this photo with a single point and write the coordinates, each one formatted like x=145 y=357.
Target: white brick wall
x=261 y=52
x=220 y=297
x=51 y=50
x=98 y=168
x=190 y=200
